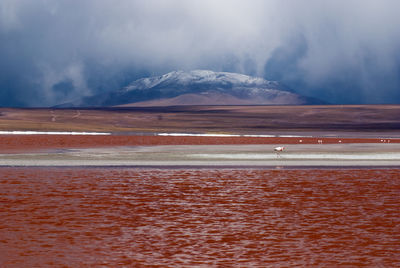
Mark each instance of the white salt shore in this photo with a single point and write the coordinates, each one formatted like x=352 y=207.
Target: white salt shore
x=228 y=135
x=51 y=133
x=326 y=155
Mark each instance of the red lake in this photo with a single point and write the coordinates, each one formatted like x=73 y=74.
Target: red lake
x=181 y=217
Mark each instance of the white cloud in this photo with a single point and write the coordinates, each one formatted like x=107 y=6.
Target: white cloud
x=235 y=35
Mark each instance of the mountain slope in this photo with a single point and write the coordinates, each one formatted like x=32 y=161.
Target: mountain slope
x=203 y=98
x=200 y=87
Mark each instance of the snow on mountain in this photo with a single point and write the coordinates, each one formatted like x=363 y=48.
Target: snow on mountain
x=201 y=77
x=202 y=86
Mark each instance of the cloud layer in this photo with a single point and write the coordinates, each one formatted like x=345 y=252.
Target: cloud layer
x=58 y=51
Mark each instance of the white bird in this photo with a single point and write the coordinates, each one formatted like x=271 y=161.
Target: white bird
x=278 y=150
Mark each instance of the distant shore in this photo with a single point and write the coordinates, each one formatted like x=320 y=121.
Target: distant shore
x=32 y=143
x=156 y=151
x=202 y=136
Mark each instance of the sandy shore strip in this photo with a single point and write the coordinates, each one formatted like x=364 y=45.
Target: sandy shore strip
x=213 y=155
x=34 y=143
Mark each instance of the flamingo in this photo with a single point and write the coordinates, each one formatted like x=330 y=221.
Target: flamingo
x=278 y=150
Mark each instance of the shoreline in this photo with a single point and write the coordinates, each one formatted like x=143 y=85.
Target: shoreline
x=199 y=167
x=35 y=143
x=227 y=155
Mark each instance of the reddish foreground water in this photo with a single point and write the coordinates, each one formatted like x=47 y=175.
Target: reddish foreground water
x=199 y=217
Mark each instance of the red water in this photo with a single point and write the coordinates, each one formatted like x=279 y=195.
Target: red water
x=202 y=217
x=28 y=143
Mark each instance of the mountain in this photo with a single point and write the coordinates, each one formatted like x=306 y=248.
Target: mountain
x=200 y=87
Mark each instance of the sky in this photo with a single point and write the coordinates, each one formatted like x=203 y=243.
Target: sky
x=55 y=51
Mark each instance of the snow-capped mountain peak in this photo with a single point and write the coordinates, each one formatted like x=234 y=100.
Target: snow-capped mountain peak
x=203 y=87
x=197 y=77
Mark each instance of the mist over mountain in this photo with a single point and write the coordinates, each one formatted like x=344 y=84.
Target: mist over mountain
x=201 y=87
x=342 y=52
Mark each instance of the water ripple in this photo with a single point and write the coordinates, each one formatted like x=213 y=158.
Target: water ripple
x=200 y=217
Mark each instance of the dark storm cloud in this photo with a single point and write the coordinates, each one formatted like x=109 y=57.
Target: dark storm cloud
x=56 y=51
